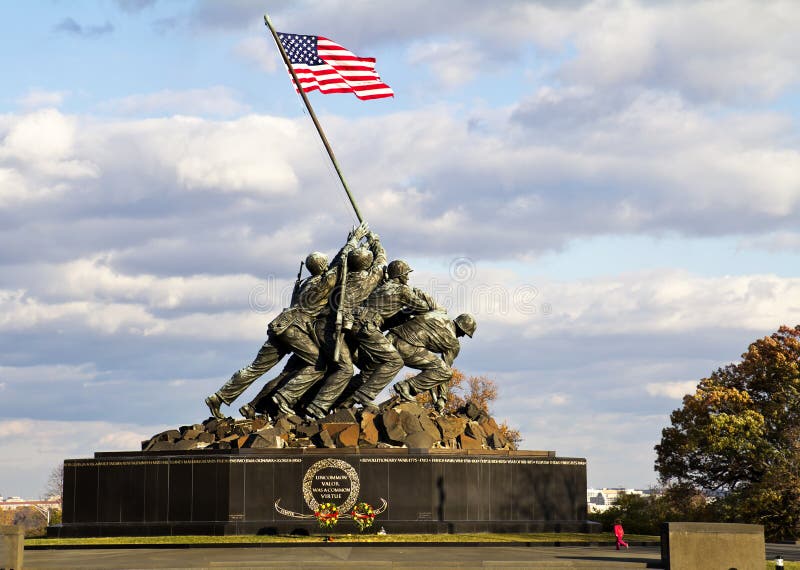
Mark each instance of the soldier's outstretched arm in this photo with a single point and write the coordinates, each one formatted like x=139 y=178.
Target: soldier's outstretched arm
x=378 y=253
x=376 y=270
x=429 y=301
x=353 y=238
x=361 y=231
x=417 y=301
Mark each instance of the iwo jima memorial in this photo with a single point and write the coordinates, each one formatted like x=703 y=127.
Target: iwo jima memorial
x=315 y=440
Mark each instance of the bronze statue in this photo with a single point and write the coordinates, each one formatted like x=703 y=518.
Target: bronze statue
x=429 y=343
x=339 y=314
x=292 y=330
x=365 y=271
x=378 y=359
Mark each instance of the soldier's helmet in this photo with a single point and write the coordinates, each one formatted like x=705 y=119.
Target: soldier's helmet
x=466 y=323
x=397 y=268
x=359 y=259
x=316 y=262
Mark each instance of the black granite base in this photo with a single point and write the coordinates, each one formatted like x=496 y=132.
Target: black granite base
x=235 y=492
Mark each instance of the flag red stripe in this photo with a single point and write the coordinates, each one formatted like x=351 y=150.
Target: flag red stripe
x=334 y=80
x=343 y=72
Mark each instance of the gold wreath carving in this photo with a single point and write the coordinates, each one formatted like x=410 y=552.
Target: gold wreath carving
x=383 y=507
x=308 y=495
x=288 y=513
x=294 y=515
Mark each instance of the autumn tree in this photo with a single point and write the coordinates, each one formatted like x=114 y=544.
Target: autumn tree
x=738 y=437
x=481 y=390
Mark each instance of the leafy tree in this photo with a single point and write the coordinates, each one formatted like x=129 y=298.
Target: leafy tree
x=6 y=517
x=635 y=511
x=32 y=521
x=512 y=435
x=738 y=437
x=480 y=390
x=644 y=514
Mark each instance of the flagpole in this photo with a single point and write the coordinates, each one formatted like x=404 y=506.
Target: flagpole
x=313 y=117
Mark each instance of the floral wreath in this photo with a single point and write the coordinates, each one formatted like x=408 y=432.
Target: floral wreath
x=363 y=515
x=327 y=515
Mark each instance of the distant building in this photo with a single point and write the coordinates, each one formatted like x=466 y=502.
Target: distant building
x=599 y=500
x=13 y=503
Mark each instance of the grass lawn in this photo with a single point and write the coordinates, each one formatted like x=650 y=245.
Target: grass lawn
x=371 y=537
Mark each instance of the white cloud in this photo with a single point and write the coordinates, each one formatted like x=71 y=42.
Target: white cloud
x=644 y=302
x=123 y=440
x=652 y=163
x=539 y=401
x=24 y=375
x=21 y=312
x=28 y=461
x=668 y=301
x=37 y=98
x=773 y=242
x=251 y=155
x=674 y=390
x=452 y=63
x=12 y=428
x=217 y=101
x=13 y=187
x=96 y=279
x=721 y=50
x=725 y=50
x=93 y=296
x=600 y=437
x=44 y=135
x=260 y=51
x=38 y=157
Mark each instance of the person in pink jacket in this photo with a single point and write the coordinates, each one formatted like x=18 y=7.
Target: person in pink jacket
x=619 y=532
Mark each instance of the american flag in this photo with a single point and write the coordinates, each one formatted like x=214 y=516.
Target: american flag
x=325 y=65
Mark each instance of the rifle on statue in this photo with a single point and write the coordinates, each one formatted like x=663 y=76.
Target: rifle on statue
x=339 y=312
x=296 y=290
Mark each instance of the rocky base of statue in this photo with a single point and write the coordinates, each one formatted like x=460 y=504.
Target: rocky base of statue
x=399 y=424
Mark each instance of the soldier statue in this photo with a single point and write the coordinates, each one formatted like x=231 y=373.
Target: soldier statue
x=365 y=271
x=378 y=359
x=429 y=343
x=293 y=329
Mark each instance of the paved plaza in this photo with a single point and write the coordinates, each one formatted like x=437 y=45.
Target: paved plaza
x=335 y=557
x=331 y=557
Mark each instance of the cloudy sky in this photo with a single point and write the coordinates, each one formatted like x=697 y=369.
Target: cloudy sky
x=612 y=187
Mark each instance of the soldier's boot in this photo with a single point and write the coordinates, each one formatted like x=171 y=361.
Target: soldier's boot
x=368 y=405
x=348 y=402
x=214 y=402
x=404 y=391
x=315 y=411
x=283 y=405
x=248 y=412
x=371 y=408
x=440 y=405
